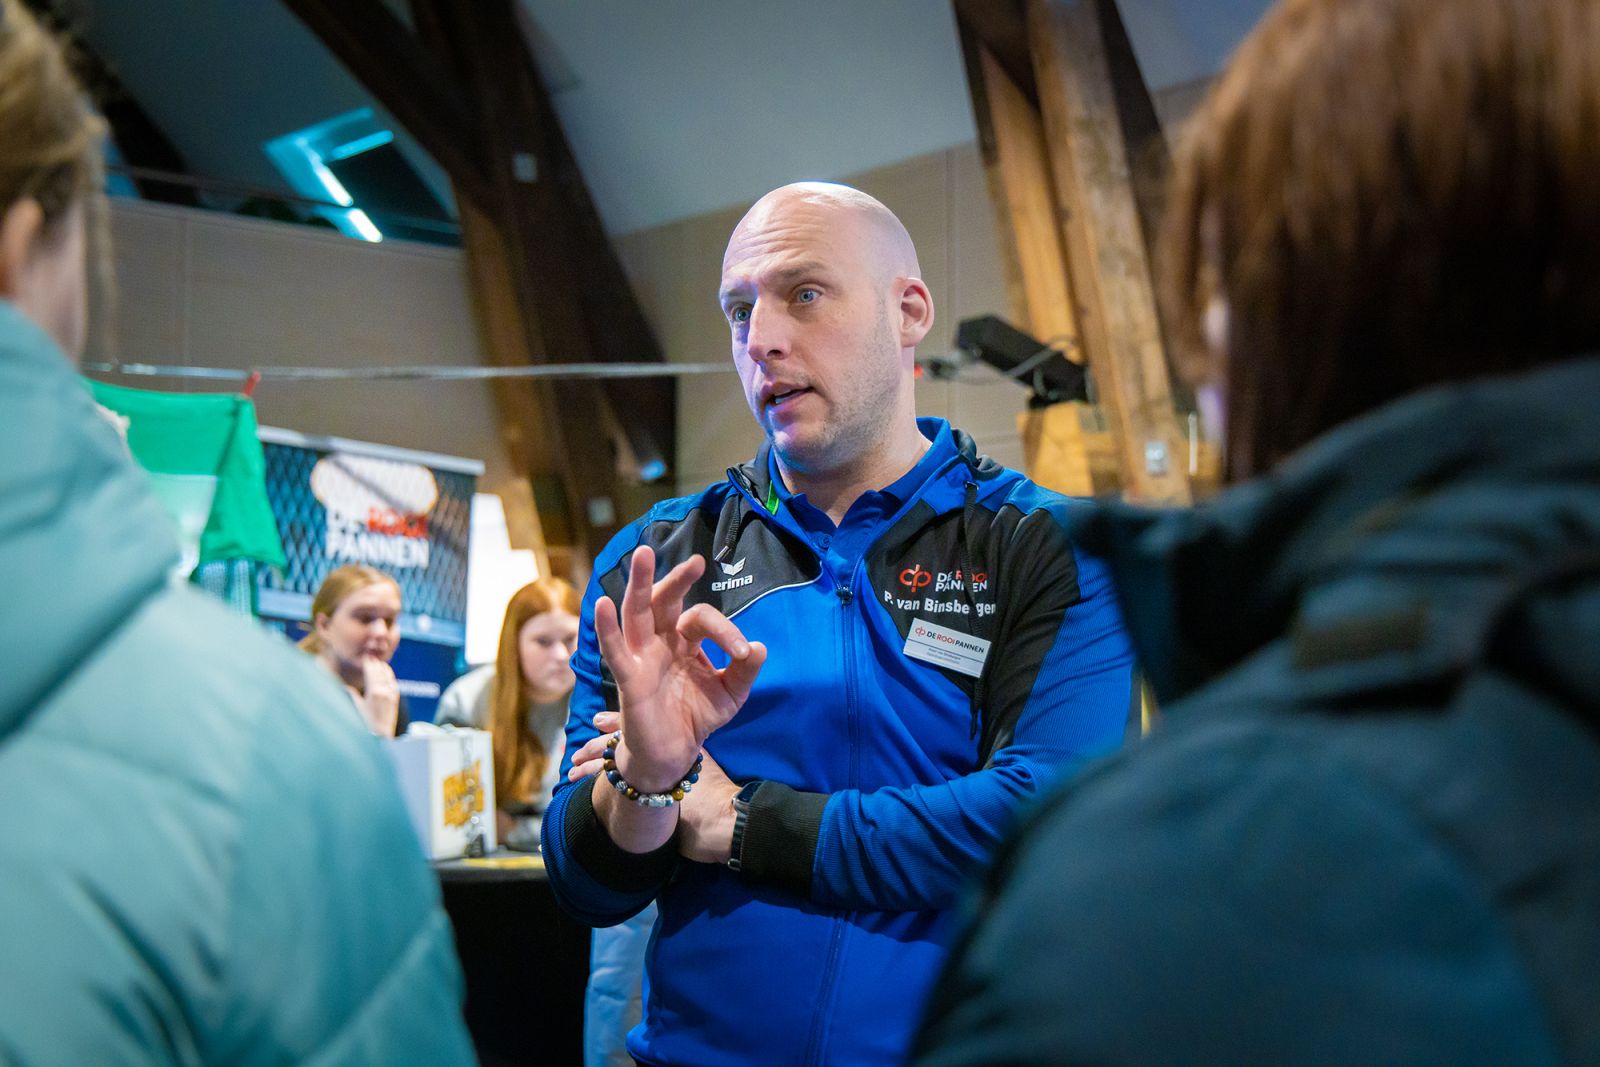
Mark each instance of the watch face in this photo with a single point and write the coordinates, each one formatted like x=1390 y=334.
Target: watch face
x=746 y=795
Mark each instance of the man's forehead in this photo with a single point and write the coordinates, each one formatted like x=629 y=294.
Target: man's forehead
x=775 y=269
x=795 y=237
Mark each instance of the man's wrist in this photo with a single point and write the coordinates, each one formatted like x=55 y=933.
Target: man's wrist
x=629 y=826
x=622 y=857
x=647 y=776
x=779 y=847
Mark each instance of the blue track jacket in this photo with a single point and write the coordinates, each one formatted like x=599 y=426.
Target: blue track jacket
x=890 y=771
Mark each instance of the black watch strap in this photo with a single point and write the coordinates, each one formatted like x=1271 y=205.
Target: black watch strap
x=741 y=808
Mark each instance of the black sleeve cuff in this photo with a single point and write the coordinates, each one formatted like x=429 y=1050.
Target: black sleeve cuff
x=780 y=837
x=606 y=862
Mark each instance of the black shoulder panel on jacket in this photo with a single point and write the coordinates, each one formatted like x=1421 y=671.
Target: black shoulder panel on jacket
x=1024 y=578
x=756 y=557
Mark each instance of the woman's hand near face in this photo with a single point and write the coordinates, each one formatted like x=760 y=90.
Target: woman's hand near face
x=380 y=702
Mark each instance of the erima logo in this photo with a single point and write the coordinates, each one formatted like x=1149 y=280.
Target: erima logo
x=731 y=581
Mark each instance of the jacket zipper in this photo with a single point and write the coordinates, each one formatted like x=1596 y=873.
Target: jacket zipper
x=816 y=1044
x=816 y=1053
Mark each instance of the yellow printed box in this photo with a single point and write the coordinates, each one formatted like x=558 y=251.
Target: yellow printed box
x=447 y=780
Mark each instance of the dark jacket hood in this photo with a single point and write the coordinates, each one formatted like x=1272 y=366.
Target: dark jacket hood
x=1454 y=527
x=82 y=541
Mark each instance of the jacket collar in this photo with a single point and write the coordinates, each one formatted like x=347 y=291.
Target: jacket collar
x=957 y=449
x=1388 y=552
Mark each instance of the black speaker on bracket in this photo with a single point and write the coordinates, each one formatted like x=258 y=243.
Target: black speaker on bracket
x=1042 y=369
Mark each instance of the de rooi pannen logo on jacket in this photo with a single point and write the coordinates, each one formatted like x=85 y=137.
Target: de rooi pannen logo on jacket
x=938 y=592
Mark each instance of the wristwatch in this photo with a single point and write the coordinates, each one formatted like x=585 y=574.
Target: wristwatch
x=741 y=807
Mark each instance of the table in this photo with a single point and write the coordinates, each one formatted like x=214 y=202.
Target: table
x=526 y=962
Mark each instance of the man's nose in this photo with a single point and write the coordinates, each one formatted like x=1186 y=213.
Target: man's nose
x=768 y=335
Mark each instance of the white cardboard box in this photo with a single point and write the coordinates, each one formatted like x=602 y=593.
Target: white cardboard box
x=447 y=777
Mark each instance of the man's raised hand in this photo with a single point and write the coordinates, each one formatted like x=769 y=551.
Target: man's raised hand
x=671 y=697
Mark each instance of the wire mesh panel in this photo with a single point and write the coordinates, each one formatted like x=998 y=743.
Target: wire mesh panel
x=338 y=502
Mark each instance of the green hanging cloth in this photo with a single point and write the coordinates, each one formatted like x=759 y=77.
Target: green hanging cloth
x=205 y=433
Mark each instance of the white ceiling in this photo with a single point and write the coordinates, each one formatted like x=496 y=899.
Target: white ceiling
x=673 y=107
x=686 y=107
x=680 y=107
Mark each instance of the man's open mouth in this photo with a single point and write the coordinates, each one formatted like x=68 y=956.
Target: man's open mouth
x=778 y=396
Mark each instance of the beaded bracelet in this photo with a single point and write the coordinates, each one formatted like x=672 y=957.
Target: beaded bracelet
x=647 y=800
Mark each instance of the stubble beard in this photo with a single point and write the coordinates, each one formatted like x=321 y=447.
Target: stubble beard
x=858 y=422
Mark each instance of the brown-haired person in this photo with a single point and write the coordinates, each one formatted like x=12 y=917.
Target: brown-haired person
x=1370 y=830
x=205 y=858
x=354 y=632
x=521 y=698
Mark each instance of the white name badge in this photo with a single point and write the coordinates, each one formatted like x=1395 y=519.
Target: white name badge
x=947 y=648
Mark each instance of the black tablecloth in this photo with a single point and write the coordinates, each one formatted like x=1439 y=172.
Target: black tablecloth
x=525 y=963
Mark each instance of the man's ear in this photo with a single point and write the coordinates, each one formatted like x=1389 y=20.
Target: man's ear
x=916 y=312
x=19 y=231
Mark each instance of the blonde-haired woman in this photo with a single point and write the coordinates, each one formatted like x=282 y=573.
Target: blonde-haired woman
x=354 y=633
x=521 y=699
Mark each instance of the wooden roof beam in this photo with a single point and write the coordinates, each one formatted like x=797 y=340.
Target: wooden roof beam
x=1001 y=26
x=617 y=327
x=550 y=198
x=1016 y=162
x=466 y=85
x=1076 y=48
x=550 y=255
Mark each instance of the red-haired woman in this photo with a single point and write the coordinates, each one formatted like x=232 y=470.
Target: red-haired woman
x=521 y=699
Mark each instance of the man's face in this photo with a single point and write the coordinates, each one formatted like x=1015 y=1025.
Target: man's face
x=813 y=335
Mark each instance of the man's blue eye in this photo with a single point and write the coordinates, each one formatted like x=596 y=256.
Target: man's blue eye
x=739 y=314
x=807 y=296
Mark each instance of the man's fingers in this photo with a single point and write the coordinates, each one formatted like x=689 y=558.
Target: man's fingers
x=638 y=620
x=677 y=581
x=740 y=674
x=608 y=632
x=705 y=623
x=580 y=771
x=667 y=597
x=594 y=748
x=587 y=760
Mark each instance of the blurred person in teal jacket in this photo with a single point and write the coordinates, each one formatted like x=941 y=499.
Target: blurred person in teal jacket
x=205 y=859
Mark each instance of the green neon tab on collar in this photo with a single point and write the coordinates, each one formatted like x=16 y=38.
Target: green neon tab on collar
x=772 y=498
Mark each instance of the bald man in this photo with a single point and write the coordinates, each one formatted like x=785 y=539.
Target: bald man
x=811 y=698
